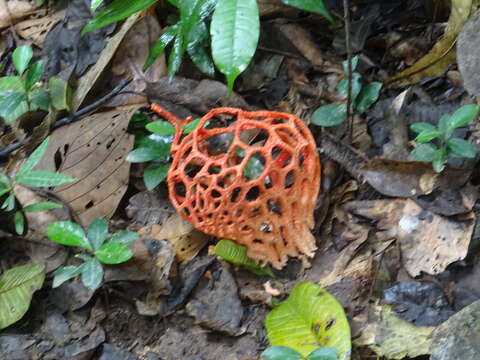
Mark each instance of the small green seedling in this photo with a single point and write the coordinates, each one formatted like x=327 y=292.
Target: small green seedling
x=103 y=247
x=287 y=353
x=362 y=98
x=446 y=145
x=34 y=178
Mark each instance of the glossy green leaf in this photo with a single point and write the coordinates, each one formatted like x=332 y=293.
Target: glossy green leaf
x=43 y=178
x=60 y=93
x=9 y=203
x=323 y=353
x=125 y=237
x=68 y=233
x=420 y=127
x=161 y=128
x=354 y=61
x=21 y=58
x=237 y=254
x=462 y=116
x=39 y=99
x=423 y=152
x=439 y=160
x=11 y=83
x=427 y=135
x=192 y=125
x=462 y=148
x=176 y=56
x=309 y=318
x=196 y=50
x=65 y=273
x=34 y=157
x=92 y=274
x=34 y=74
x=154 y=174
x=342 y=86
x=144 y=154
x=11 y=102
x=95 y=4
x=17 y=286
x=235 y=30
x=443 y=124
x=19 y=221
x=315 y=6
x=42 y=206
x=330 y=115
x=367 y=97
x=97 y=232
x=115 y=11
x=280 y=353
x=159 y=46
x=113 y=252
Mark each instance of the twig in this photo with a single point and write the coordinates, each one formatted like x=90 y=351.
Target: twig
x=346 y=11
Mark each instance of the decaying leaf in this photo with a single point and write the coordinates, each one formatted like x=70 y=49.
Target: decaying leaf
x=13 y=10
x=36 y=29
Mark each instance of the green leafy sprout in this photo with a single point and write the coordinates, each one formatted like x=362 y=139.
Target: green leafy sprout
x=103 y=248
x=362 y=98
x=445 y=145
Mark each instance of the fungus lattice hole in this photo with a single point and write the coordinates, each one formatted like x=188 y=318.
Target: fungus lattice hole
x=282 y=157
x=216 y=194
x=258 y=241
x=234 y=197
x=275 y=207
x=180 y=189
x=221 y=121
x=279 y=121
x=213 y=169
x=246 y=229
x=289 y=179
x=301 y=159
x=253 y=193
x=193 y=167
x=254 y=166
x=226 y=180
x=218 y=144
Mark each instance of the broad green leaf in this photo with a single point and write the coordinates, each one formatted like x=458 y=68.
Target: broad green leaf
x=423 y=152
x=427 y=135
x=315 y=6
x=367 y=97
x=354 y=64
x=192 y=125
x=95 y=4
x=65 y=273
x=235 y=30
x=309 y=318
x=280 y=353
x=21 y=58
x=34 y=157
x=176 y=55
x=144 y=154
x=9 y=203
x=154 y=174
x=113 y=252
x=17 y=286
x=342 y=86
x=462 y=148
x=237 y=255
x=97 y=232
x=40 y=99
x=11 y=83
x=324 y=353
x=330 y=115
x=420 y=127
x=193 y=13
x=462 y=116
x=12 y=105
x=124 y=237
x=42 y=206
x=115 y=11
x=68 y=233
x=443 y=124
x=3 y=191
x=41 y=178
x=92 y=274
x=439 y=160
x=34 y=74
x=60 y=93
x=161 y=128
x=4 y=180
x=19 y=222
x=159 y=46
x=196 y=50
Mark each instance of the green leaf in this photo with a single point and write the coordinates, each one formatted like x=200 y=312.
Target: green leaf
x=40 y=98
x=235 y=30
x=237 y=255
x=97 y=232
x=280 y=353
x=197 y=52
x=124 y=237
x=113 y=252
x=254 y=168
x=60 y=93
x=92 y=274
x=21 y=58
x=330 y=115
x=342 y=86
x=420 y=127
x=154 y=174
x=324 y=353
x=3 y=191
x=115 y=11
x=308 y=318
x=462 y=116
x=12 y=105
x=176 y=55
x=159 y=46
x=192 y=125
x=423 y=152
x=9 y=203
x=65 y=273
x=315 y=6
x=439 y=160
x=40 y=178
x=4 y=181
x=68 y=233
x=34 y=74
x=426 y=136
x=159 y=151
x=41 y=206
x=192 y=14
x=161 y=128
x=95 y=4
x=34 y=157
x=443 y=124
x=462 y=148
x=19 y=221
x=367 y=97
x=354 y=64
x=17 y=286
x=11 y=83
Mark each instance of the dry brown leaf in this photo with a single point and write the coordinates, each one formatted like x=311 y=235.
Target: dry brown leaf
x=13 y=10
x=428 y=242
x=301 y=39
x=37 y=29
x=92 y=150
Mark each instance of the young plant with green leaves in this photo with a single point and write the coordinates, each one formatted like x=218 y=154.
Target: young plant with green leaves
x=103 y=248
x=34 y=178
x=362 y=98
x=436 y=144
x=23 y=93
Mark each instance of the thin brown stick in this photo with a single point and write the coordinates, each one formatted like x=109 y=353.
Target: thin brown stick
x=346 y=12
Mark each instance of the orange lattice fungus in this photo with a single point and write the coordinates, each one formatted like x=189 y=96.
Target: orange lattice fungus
x=252 y=177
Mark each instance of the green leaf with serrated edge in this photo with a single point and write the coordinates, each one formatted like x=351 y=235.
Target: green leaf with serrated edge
x=17 y=286
x=176 y=55
x=154 y=174
x=342 y=86
x=159 y=46
x=65 y=273
x=419 y=127
x=97 y=232
x=125 y=237
x=330 y=115
x=68 y=233
x=462 y=148
x=41 y=206
x=439 y=160
x=161 y=128
x=426 y=136
x=34 y=74
x=309 y=317
x=237 y=255
x=21 y=58
x=92 y=274
x=280 y=353
x=354 y=64
x=367 y=97
x=9 y=203
x=43 y=178
x=11 y=83
x=423 y=152
x=19 y=221
x=113 y=252
x=12 y=105
x=462 y=116
x=323 y=353
x=59 y=93
x=115 y=11
x=234 y=30
x=39 y=99
x=315 y=6
x=34 y=157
